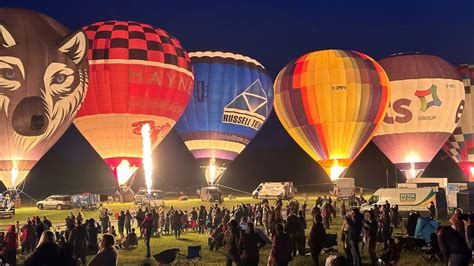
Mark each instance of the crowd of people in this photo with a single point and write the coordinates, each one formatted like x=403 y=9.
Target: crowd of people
x=239 y=231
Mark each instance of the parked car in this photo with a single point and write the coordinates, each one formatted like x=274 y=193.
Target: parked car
x=57 y=202
x=154 y=199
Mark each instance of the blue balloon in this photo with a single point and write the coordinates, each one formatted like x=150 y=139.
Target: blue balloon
x=232 y=98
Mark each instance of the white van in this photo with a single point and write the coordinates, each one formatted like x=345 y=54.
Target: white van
x=271 y=190
x=407 y=199
x=344 y=187
x=211 y=194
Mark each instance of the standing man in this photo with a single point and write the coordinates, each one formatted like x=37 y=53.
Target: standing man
x=453 y=246
x=354 y=221
x=292 y=228
x=147 y=231
x=121 y=224
x=316 y=238
x=432 y=210
x=78 y=239
x=371 y=229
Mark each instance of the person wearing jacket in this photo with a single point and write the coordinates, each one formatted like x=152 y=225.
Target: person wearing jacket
x=93 y=230
x=453 y=246
x=292 y=228
x=46 y=252
x=107 y=255
x=301 y=240
x=11 y=245
x=231 y=243
x=470 y=230
x=457 y=222
x=317 y=236
x=176 y=223
x=27 y=237
x=371 y=228
x=385 y=222
x=249 y=246
x=146 y=228
x=78 y=238
x=121 y=224
x=354 y=221
x=280 y=255
x=128 y=222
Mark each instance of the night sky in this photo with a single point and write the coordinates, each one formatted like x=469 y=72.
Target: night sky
x=274 y=33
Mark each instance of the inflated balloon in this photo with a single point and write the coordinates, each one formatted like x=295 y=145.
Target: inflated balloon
x=140 y=75
x=330 y=102
x=460 y=145
x=427 y=98
x=43 y=80
x=233 y=97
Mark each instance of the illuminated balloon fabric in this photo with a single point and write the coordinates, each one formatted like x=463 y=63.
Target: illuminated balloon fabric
x=460 y=145
x=43 y=79
x=427 y=98
x=139 y=74
x=330 y=102
x=233 y=96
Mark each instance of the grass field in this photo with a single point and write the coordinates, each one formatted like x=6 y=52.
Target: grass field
x=137 y=256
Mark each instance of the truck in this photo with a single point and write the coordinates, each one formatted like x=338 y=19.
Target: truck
x=451 y=189
x=273 y=190
x=408 y=199
x=211 y=194
x=452 y=193
x=344 y=187
x=86 y=201
x=154 y=199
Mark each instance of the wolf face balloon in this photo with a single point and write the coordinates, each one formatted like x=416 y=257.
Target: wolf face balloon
x=43 y=80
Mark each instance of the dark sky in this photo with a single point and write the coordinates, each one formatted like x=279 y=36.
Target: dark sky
x=273 y=32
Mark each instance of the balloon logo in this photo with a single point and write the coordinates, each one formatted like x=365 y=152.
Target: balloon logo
x=140 y=75
x=233 y=96
x=460 y=145
x=331 y=102
x=427 y=98
x=43 y=81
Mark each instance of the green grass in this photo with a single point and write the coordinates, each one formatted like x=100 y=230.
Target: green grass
x=137 y=256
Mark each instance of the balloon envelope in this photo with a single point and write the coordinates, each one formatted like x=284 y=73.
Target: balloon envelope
x=460 y=145
x=43 y=80
x=427 y=98
x=330 y=102
x=138 y=74
x=233 y=96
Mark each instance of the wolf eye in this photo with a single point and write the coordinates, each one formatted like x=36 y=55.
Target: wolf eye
x=8 y=74
x=59 y=79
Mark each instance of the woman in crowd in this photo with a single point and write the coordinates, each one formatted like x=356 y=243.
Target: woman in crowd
x=11 y=245
x=46 y=252
x=316 y=238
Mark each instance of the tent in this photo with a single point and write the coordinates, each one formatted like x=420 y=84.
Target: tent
x=466 y=200
x=425 y=227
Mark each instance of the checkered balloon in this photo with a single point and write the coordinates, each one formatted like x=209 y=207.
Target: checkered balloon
x=139 y=74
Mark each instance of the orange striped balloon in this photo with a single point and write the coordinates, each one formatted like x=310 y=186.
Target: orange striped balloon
x=331 y=102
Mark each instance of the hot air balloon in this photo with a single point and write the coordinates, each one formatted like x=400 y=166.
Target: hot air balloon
x=460 y=145
x=43 y=80
x=139 y=75
x=330 y=102
x=233 y=96
x=427 y=98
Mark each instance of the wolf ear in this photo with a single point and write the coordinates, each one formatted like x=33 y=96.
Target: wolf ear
x=6 y=38
x=75 y=46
